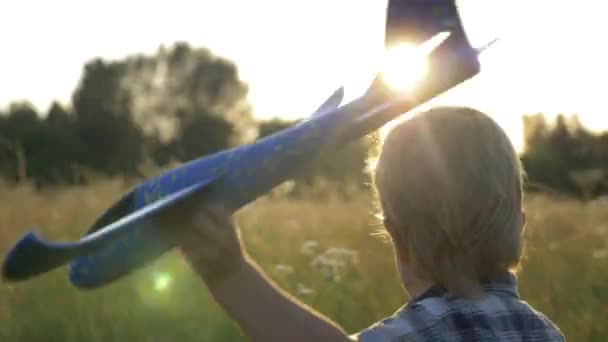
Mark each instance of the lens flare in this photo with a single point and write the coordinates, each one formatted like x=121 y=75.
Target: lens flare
x=162 y=281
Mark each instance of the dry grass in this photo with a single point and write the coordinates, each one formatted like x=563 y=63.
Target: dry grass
x=322 y=251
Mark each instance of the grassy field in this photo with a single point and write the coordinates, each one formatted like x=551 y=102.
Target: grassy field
x=322 y=251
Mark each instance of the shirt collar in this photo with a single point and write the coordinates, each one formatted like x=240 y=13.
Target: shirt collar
x=505 y=284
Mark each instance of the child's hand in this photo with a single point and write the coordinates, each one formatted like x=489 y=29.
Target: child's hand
x=213 y=245
x=210 y=241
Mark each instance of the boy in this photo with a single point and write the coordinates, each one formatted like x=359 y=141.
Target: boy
x=449 y=184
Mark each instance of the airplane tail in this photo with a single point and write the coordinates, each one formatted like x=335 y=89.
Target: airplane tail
x=485 y=46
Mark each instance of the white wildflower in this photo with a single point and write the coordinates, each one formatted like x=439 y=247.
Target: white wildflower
x=334 y=261
x=600 y=253
x=319 y=261
x=309 y=247
x=303 y=290
x=553 y=245
x=325 y=265
x=345 y=255
x=283 y=269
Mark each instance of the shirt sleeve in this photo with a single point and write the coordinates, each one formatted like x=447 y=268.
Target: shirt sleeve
x=384 y=331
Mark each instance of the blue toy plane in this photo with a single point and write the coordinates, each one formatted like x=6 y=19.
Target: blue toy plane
x=125 y=238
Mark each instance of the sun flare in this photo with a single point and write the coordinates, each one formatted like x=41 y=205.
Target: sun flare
x=405 y=64
x=403 y=67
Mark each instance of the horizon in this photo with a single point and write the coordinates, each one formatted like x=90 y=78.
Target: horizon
x=555 y=58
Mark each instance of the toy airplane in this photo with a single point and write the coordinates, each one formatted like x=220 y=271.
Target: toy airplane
x=125 y=238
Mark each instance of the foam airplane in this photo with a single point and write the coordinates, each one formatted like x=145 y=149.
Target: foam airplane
x=126 y=237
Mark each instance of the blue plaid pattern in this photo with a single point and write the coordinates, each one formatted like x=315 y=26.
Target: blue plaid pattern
x=437 y=315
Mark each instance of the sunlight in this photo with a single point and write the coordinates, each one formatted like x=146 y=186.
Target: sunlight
x=403 y=67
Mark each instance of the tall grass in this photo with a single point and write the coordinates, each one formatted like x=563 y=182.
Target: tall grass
x=323 y=251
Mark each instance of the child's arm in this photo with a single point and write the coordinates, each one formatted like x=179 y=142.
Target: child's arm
x=264 y=312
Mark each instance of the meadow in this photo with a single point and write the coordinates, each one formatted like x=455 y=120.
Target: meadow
x=323 y=250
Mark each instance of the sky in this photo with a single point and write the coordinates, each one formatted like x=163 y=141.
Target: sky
x=293 y=54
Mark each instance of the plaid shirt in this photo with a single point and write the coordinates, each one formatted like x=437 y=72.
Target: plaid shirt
x=438 y=316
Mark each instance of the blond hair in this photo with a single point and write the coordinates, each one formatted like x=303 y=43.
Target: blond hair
x=450 y=181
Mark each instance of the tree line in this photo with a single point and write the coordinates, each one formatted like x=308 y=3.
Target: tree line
x=170 y=107
x=563 y=156
x=183 y=102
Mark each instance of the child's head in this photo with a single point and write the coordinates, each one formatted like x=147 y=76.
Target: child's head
x=450 y=186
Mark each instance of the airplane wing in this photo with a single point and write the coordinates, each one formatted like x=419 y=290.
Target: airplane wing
x=331 y=103
x=32 y=255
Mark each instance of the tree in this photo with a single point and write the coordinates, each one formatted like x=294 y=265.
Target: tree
x=112 y=142
x=18 y=136
x=201 y=135
x=547 y=157
x=181 y=86
x=144 y=106
x=565 y=156
x=270 y=127
x=62 y=160
x=535 y=129
x=41 y=150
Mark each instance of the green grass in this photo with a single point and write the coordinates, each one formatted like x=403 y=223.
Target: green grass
x=565 y=273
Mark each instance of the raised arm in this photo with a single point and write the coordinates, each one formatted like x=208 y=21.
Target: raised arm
x=213 y=247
